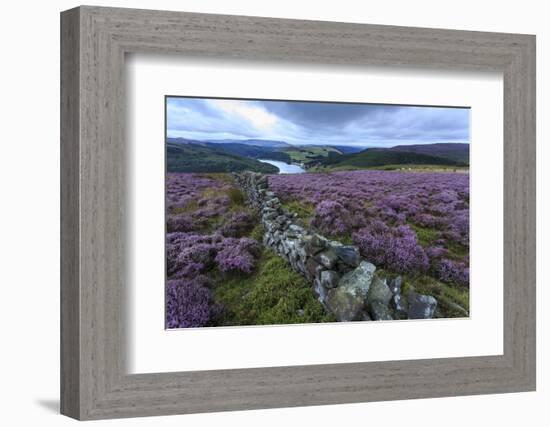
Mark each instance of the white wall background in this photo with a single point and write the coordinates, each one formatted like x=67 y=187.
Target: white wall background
x=29 y=211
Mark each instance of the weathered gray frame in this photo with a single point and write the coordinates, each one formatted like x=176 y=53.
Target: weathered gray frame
x=94 y=41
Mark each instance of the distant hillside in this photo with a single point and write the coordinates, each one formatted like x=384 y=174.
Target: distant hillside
x=452 y=151
x=245 y=150
x=309 y=153
x=374 y=157
x=347 y=149
x=186 y=155
x=183 y=141
x=257 y=142
x=254 y=151
x=189 y=157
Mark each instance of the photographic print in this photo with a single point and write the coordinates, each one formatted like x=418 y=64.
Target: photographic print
x=293 y=212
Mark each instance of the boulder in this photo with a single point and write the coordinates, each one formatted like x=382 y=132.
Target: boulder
x=380 y=311
x=327 y=258
x=345 y=306
x=379 y=291
x=421 y=306
x=347 y=300
x=348 y=254
x=313 y=244
x=360 y=279
x=399 y=305
x=320 y=290
x=312 y=267
x=329 y=279
x=395 y=285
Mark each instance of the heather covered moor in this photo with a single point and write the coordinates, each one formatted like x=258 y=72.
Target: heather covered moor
x=218 y=271
x=408 y=223
x=262 y=231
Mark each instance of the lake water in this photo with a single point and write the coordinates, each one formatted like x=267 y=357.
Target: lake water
x=284 y=167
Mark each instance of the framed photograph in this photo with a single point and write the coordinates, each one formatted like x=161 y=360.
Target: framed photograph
x=262 y=213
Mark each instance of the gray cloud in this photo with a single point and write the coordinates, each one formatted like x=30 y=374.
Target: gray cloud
x=315 y=122
x=324 y=114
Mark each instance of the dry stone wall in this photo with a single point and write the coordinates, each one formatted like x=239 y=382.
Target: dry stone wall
x=346 y=284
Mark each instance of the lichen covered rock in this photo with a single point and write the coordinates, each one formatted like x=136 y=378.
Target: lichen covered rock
x=421 y=306
x=347 y=301
x=379 y=291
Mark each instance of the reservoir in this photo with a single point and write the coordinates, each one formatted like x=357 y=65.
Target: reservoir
x=284 y=167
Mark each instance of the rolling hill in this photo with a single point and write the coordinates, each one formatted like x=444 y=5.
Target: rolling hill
x=347 y=149
x=239 y=149
x=257 y=142
x=183 y=141
x=185 y=155
x=309 y=153
x=375 y=157
x=190 y=157
x=253 y=151
x=452 y=151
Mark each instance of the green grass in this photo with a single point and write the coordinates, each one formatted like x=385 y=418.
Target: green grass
x=304 y=210
x=189 y=207
x=426 y=236
x=422 y=168
x=236 y=196
x=456 y=250
x=448 y=296
x=257 y=233
x=218 y=176
x=452 y=301
x=344 y=238
x=273 y=294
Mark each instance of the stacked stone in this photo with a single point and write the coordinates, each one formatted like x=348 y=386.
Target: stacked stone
x=345 y=284
x=254 y=186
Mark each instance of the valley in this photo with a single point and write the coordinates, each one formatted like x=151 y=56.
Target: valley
x=235 y=156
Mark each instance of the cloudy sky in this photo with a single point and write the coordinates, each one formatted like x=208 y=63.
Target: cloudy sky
x=315 y=123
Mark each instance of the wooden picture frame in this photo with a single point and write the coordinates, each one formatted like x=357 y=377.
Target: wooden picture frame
x=94 y=382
